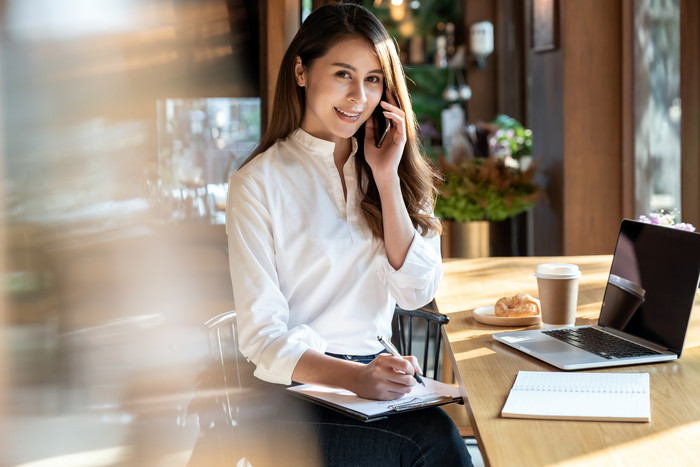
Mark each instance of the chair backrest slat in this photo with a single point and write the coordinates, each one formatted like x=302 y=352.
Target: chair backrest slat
x=427 y=330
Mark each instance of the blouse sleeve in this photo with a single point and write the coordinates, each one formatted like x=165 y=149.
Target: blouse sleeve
x=261 y=308
x=416 y=282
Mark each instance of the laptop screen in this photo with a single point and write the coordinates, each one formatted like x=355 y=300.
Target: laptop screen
x=652 y=284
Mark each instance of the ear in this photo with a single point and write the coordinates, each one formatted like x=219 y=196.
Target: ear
x=299 y=72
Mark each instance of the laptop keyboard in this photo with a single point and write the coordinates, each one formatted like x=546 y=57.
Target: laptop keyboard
x=600 y=343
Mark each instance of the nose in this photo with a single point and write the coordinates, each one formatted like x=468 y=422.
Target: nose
x=357 y=94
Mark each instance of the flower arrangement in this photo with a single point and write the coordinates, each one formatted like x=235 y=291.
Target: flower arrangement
x=667 y=219
x=511 y=138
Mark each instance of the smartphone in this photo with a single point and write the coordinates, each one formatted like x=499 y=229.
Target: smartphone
x=382 y=125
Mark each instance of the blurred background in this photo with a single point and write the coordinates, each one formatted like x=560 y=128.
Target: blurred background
x=122 y=120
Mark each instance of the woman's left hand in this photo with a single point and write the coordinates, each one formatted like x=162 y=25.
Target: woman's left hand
x=384 y=161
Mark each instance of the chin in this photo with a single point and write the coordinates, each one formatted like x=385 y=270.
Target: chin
x=344 y=134
x=348 y=132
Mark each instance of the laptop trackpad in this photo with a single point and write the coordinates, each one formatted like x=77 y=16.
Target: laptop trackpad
x=552 y=346
x=565 y=353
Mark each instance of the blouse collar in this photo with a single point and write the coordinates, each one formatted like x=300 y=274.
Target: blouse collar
x=318 y=145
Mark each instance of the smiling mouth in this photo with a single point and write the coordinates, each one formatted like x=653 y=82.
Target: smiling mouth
x=353 y=115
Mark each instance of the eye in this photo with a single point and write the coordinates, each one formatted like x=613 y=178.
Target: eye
x=374 y=79
x=342 y=74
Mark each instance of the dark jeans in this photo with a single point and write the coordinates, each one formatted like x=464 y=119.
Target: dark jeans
x=274 y=428
x=425 y=437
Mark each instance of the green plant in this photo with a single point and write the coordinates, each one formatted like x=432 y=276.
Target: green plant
x=484 y=189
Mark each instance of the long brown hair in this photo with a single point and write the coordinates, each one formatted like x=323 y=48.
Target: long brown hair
x=321 y=30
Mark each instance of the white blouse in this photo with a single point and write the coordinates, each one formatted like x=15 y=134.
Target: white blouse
x=306 y=271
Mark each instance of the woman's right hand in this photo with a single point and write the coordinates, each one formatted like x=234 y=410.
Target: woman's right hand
x=386 y=377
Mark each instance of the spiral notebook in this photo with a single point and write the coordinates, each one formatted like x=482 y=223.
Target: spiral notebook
x=622 y=397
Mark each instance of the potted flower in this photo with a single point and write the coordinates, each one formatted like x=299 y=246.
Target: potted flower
x=667 y=219
x=511 y=138
x=478 y=191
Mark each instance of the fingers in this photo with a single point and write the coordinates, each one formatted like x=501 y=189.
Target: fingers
x=396 y=385
x=402 y=366
x=384 y=161
x=397 y=117
x=398 y=377
x=387 y=106
x=390 y=98
x=387 y=378
x=414 y=363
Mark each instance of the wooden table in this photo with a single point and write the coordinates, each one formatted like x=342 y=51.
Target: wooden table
x=486 y=370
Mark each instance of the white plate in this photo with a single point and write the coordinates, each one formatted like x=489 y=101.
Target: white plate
x=486 y=315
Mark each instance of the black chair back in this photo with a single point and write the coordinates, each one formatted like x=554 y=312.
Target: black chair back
x=420 y=328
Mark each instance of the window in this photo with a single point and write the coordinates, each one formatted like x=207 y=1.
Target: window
x=657 y=106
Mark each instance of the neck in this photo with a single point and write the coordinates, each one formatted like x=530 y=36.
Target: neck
x=342 y=150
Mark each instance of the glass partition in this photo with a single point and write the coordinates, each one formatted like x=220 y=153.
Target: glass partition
x=200 y=143
x=657 y=105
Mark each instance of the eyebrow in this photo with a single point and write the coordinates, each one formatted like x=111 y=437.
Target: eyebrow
x=350 y=67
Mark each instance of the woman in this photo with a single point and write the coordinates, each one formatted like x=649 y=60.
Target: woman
x=327 y=233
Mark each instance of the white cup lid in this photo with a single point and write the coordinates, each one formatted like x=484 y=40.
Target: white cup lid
x=557 y=271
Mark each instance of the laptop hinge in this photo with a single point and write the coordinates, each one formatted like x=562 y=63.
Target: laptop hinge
x=635 y=339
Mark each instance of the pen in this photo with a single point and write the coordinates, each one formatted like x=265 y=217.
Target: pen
x=392 y=350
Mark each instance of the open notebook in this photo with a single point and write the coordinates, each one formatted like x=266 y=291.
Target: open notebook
x=432 y=394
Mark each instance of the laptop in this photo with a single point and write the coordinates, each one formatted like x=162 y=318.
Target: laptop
x=652 y=285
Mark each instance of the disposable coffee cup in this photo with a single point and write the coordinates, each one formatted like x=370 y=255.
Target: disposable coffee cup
x=557 y=284
x=622 y=298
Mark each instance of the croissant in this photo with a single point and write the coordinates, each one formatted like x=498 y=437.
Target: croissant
x=518 y=305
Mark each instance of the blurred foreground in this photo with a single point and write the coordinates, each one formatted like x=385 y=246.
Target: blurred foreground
x=113 y=257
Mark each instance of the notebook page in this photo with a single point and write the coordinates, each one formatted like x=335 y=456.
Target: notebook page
x=582 y=396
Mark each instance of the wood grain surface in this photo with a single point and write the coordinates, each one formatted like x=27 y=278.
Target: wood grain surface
x=486 y=370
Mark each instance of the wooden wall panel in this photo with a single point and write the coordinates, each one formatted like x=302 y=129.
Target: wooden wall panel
x=592 y=74
x=279 y=21
x=575 y=115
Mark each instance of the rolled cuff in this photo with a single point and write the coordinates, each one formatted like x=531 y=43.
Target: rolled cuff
x=277 y=357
